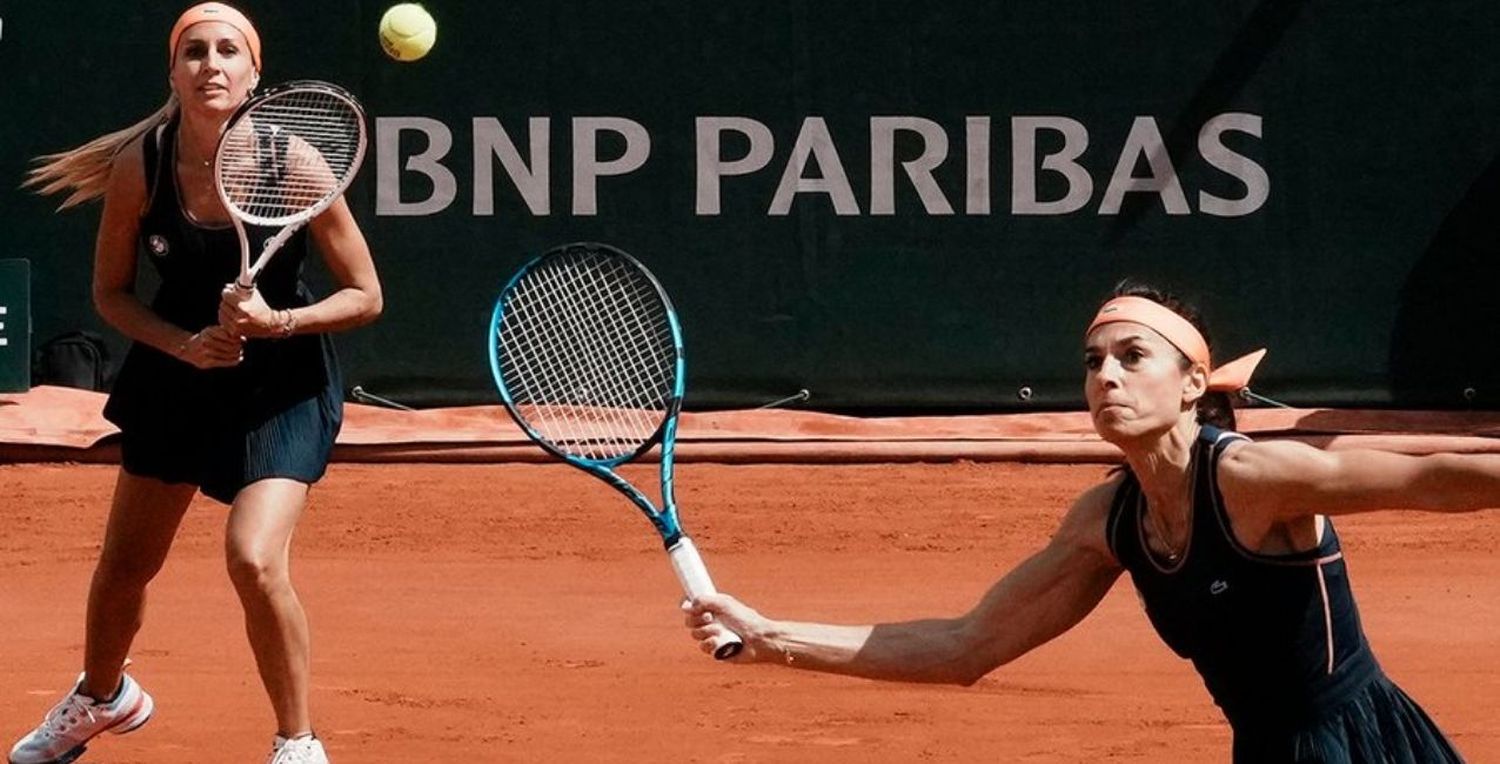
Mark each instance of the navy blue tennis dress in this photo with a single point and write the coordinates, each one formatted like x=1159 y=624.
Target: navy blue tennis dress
x=276 y=414
x=1277 y=639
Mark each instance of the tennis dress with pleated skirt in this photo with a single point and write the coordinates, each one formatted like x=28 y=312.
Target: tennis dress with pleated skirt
x=1277 y=639
x=274 y=415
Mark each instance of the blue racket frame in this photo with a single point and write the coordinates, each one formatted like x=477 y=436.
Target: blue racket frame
x=664 y=519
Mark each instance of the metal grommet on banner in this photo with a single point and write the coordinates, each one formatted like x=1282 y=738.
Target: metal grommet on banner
x=797 y=397
x=1250 y=397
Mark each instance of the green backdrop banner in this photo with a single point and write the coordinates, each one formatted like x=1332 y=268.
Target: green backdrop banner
x=913 y=205
x=15 y=326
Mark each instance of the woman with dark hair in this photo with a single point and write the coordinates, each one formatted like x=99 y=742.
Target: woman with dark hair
x=1228 y=542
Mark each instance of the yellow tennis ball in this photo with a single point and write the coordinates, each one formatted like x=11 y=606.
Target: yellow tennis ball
x=407 y=32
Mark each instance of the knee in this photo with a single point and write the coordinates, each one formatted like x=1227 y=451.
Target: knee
x=254 y=571
x=123 y=571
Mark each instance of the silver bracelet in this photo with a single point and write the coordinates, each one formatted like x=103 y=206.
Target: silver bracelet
x=288 y=325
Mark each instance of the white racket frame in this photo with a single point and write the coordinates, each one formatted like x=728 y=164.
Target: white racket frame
x=291 y=223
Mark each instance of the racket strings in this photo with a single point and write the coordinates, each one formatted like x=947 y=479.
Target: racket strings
x=289 y=154
x=587 y=415
x=632 y=326
x=592 y=403
x=605 y=418
x=588 y=353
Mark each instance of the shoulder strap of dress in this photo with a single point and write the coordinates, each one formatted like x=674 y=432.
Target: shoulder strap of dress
x=155 y=149
x=1217 y=437
x=1210 y=434
x=1213 y=440
x=1210 y=512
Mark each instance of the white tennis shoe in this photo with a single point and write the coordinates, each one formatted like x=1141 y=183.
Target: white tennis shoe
x=77 y=719
x=302 y=750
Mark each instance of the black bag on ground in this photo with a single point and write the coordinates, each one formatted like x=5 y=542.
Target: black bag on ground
x=74 y=359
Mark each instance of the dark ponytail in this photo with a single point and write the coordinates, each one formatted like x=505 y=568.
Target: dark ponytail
x=1215 y=408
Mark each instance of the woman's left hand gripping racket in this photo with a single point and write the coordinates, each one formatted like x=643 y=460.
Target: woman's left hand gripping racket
x=284 y=157
x=587 y=353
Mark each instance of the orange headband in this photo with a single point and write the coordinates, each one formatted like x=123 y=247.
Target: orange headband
x=214 y=12
x=1231 y=377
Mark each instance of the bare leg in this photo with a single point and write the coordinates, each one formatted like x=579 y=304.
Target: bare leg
x=258 y=546
x=143 y=520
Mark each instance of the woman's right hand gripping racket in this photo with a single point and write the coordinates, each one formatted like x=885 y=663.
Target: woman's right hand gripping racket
x=284 y=157
x=587 y=353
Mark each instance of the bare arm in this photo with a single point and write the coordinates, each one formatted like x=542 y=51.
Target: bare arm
x=1291 y=480
x=1043 y=597
x=357 y=302
x=114 y=274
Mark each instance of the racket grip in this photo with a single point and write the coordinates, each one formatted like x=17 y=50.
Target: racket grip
x=693 y=575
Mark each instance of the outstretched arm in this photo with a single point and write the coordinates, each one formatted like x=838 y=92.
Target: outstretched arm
x=1292 y=479
x=1043 y=597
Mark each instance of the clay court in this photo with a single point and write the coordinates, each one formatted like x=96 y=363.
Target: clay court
x=523 y=612
x=886 y=224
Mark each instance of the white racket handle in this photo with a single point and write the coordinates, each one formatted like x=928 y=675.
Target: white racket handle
x=693 y=576
x=248 y=275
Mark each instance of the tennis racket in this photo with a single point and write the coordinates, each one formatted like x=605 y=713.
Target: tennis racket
x=283 y=158
x=587 y=353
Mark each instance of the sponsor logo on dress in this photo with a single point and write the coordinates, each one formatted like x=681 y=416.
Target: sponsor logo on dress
x=1218 y=587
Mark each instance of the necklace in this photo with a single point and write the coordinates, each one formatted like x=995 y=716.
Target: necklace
x=204 y=162
x=1170 y=554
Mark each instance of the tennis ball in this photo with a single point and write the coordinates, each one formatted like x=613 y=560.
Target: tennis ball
x=407 y=32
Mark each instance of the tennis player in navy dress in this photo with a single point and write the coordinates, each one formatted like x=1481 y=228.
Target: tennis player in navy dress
x=238 y=395
x=1229 y=542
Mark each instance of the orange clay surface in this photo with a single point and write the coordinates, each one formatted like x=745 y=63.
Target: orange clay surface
x=477 y=613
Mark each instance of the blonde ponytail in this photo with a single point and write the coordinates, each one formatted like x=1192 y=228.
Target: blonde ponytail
x=85 y=170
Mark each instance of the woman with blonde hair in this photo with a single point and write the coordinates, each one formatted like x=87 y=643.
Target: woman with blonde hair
x=238 y=395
